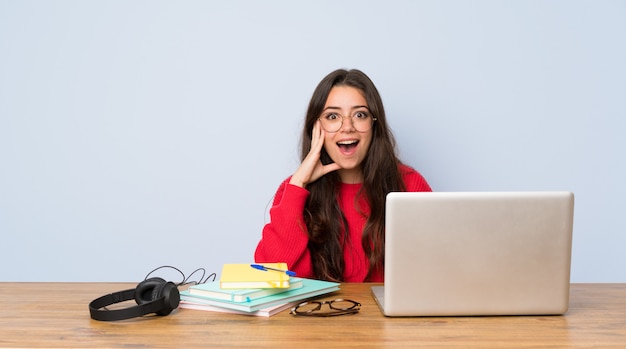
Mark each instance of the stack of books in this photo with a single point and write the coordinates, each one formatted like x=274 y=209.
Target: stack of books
x=263 y=290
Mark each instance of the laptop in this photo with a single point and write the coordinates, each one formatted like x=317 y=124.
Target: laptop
x=477 y=254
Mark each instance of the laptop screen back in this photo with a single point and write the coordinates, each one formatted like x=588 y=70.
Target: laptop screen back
x=500 y=253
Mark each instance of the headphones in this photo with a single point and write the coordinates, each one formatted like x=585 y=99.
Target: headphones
x=153 y=295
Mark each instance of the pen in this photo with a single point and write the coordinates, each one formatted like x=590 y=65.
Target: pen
x=264 y=268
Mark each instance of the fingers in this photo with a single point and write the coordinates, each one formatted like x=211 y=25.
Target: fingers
x=317 y=137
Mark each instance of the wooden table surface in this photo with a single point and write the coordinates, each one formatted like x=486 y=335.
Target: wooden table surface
x=56 y=315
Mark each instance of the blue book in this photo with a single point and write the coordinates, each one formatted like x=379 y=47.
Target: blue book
x=310 y=288
x=215 y=291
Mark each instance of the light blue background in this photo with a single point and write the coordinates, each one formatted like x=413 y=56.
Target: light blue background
x=135 y=134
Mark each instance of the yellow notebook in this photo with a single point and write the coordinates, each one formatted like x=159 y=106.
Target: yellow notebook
x=244 y=276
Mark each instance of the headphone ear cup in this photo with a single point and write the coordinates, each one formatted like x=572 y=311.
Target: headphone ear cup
x=144 y=292
x=171 y=296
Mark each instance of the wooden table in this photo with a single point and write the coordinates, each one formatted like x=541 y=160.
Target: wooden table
x=56 y=315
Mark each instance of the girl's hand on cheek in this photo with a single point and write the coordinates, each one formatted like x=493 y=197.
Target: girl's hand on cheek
x=311 y=168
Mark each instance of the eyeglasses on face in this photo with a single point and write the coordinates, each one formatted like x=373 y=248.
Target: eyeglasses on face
x=336 y=307
x=332 y=121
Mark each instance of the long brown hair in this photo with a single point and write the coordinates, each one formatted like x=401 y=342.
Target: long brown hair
x=325 y=222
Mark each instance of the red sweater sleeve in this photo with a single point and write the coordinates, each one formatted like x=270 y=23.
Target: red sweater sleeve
x=413 y=180
x=285 y=237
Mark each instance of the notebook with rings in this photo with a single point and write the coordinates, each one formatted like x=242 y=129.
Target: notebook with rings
x=477 y=254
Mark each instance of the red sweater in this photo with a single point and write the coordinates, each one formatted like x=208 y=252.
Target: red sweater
x=285 y=237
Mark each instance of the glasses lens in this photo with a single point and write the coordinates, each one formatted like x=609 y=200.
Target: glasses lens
x=343 y=304
x=331 y=122
x=362 y=124
x=307 y=307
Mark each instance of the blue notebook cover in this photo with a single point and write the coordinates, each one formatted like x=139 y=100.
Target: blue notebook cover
x=310 y=288
x=214 y=290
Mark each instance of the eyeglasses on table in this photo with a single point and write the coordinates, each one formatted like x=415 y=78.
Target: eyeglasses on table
x=335 y=308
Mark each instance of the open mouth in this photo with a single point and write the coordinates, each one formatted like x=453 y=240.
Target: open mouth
x=347 y=146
